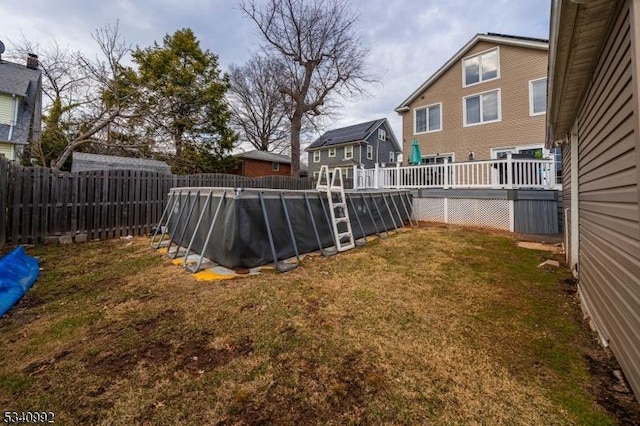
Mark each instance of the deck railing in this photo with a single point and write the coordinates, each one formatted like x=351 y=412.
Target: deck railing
x=505 y=173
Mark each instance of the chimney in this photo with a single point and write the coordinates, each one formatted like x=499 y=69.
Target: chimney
x=32 y=61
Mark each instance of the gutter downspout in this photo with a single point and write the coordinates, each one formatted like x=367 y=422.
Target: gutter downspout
x=574 y=246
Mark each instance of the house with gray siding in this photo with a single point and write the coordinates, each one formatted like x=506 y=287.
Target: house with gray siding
x=20 y=105
x=360 y=144
x=593 y=114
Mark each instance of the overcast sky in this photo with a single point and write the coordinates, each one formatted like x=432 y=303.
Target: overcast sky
x=409 y=39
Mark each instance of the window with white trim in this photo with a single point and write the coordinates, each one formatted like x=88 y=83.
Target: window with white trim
x=482 y=108
x=382 y=134
x=392 y=156
x=427 y=119
x=315 y=175
x=332 y=152
x=480 y=68
x=348 y=152
x=316 y=156
x=538 y=96
x=275 y=166
x=369 y=152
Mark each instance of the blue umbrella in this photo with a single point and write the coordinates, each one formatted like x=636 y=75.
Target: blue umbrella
x=415 y=157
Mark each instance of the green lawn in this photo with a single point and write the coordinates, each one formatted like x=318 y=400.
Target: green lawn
x=440 y=325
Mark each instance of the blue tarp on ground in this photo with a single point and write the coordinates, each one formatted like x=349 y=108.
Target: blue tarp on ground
x=18 y=272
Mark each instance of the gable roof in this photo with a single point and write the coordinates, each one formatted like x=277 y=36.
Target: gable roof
x=15 y=78
x=83 y=161
x=354 y=133
x=511 y=40
x=18 y=80
x=264 y=156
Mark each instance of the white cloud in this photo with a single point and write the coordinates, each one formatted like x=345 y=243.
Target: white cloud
x=409 y=40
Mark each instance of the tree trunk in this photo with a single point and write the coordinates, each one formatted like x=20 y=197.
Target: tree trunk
x=296 y=126
x=177 y=138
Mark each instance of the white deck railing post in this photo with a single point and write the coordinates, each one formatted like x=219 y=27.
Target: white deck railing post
x=376 y=176
x=509 y=170
x=397 y=175
x=355 y=176
x=446 y=173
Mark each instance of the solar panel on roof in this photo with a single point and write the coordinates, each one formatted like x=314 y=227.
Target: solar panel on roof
x=354 y=132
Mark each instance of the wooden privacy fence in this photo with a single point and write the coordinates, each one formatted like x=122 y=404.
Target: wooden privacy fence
x=42 y=205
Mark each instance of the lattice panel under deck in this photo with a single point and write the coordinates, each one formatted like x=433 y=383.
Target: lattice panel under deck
x=429 y=209
x=485 y=213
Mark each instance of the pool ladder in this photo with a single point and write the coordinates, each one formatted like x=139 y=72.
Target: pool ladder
x=341 y=224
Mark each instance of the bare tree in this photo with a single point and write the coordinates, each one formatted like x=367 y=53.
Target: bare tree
x=83 y=97
x=108 y=97
x=258 y=107
x=321 y=55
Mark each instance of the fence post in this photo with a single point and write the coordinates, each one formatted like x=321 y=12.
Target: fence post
x=397 y=175
x=4 y=195
x=509 y=170
x=552 y=180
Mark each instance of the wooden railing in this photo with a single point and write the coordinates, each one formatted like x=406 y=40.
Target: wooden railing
x=507 y=173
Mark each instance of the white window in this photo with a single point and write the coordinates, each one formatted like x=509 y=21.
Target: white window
x=382 y=134
x=482 y=108
x=348 y=152
x=369 y=152
x=392 y=156
x=9 y=107
x=427 y=119
x=332 y=152
x=316 y=156
x=538 y=96
x=275 y=166
x=482 y=67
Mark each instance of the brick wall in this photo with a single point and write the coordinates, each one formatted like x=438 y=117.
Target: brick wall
x=251 y=168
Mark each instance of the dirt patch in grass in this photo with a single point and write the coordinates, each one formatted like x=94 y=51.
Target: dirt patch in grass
x=610 y=388
x=198 y=357
x=441 y=325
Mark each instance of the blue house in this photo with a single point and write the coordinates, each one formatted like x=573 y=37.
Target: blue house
x=360 y=144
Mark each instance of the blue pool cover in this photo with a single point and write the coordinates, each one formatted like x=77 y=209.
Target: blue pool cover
x=18 y=272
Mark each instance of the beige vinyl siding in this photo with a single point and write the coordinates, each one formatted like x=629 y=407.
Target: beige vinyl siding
x=609 y=219
x=6 y=149
x=6 y=109
x=518 y=65
x=566 y=196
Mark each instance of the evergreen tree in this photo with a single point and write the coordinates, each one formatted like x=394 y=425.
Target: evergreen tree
x=182 y=100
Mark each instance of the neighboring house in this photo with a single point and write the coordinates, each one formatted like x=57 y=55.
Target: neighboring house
x=20 y=106
x=262 y=163
x=487 y=100
x=83 y=162
x=594 y=115
x=360 y=144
